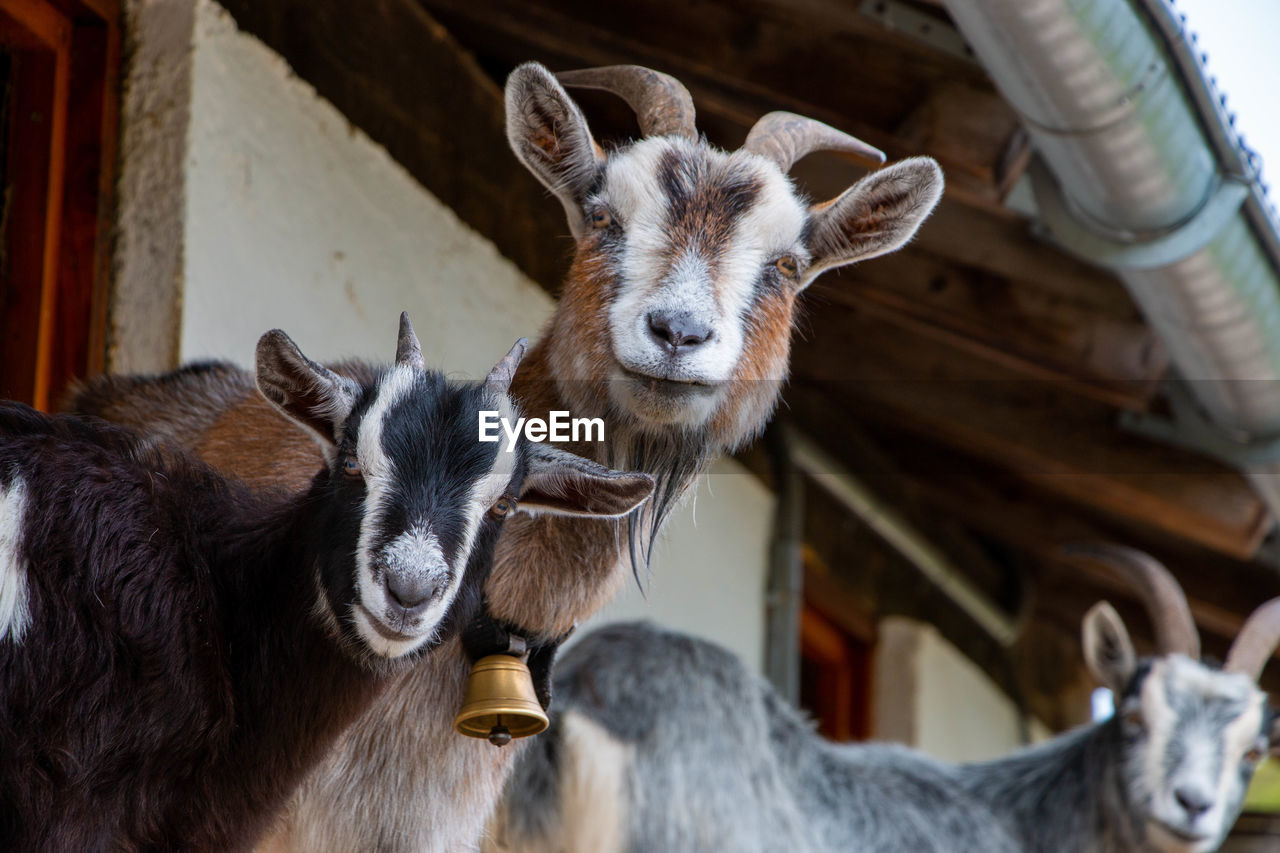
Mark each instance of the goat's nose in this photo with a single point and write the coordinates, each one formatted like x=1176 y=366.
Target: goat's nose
x=675 y=329
x=1194 y=801
x=411 y=592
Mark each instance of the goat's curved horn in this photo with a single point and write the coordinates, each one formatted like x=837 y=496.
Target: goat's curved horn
x=1256 y=642
x=504 y=371
x=660 y=101
x=408 y=350
x=1164 y=599
x=786 y=137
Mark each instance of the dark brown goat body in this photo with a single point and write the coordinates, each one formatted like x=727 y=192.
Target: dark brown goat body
x=180 y=708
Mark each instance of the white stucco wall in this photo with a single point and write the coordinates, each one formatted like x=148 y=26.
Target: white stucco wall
x=929 y=695
x=709 y=570
x=296 y=220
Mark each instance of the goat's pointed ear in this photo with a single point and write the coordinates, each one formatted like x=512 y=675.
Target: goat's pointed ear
x=308 y=393
x=560 y=483
x=875 y=216
x=1108 y=651
x=550 y=137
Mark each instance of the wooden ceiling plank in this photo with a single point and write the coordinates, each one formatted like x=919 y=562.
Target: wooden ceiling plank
x=1066 y=444
x=1026 y=518
x=1033 y=526
x=1117 y=359
x=970 y=126
x=880 y=474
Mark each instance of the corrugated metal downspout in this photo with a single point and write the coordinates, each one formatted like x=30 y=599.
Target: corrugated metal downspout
x=1146 y=177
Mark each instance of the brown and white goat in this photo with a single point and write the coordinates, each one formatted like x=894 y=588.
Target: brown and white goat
x=674 y=327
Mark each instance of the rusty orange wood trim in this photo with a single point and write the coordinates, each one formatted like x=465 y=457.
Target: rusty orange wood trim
x=53 y=228
x=47 y=24
x=110 y=12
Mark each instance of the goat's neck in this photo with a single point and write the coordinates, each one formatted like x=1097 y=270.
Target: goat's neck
x=551 y=573
x=293 y=689
x=538 y=393
x=1063 y=796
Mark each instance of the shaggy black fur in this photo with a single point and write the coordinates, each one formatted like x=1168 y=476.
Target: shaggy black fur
x=175 y=682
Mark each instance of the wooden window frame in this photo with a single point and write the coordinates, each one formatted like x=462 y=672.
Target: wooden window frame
x=837 y=645
x=841 y=700
x=60 y=173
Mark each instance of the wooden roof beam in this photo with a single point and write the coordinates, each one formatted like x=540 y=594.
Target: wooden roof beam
x=858 y=368
x=777 y=62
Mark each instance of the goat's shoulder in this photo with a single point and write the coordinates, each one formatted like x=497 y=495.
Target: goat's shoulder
x=109 y=512
x=214 y=410
x=122 y=666
x=185 y=399
x=68 y=450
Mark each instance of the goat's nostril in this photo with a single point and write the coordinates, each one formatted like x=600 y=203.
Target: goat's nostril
x=1193 y=802
x=408 y=592
x=678 y=329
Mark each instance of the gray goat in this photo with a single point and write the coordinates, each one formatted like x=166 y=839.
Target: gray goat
x=662 y=741
x=666 y=742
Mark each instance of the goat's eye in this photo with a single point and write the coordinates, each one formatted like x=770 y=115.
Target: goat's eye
x=1134 y=718
x=351 y=467
x=504 y=506
x=788 y=266
x=601 y=218
x=1255 y=754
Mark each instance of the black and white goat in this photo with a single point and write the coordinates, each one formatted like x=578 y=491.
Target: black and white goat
x=663 y=741
x=177 y=651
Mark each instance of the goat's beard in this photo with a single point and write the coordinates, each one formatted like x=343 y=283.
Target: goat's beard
x=675 y=459
x=676 y=455
x=674 y=450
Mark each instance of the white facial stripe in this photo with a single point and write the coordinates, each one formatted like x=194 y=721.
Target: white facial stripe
x=633 y=192
x=378 y=472
x=1160 y=721
x=14 y=613
x=776 y=221
x=395 y=384
x=631 y=188
x=1237 y=739
x=768 y=229
x=1200 y=768
x=486 y=490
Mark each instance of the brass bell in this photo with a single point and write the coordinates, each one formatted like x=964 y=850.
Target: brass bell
x=501 y=703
